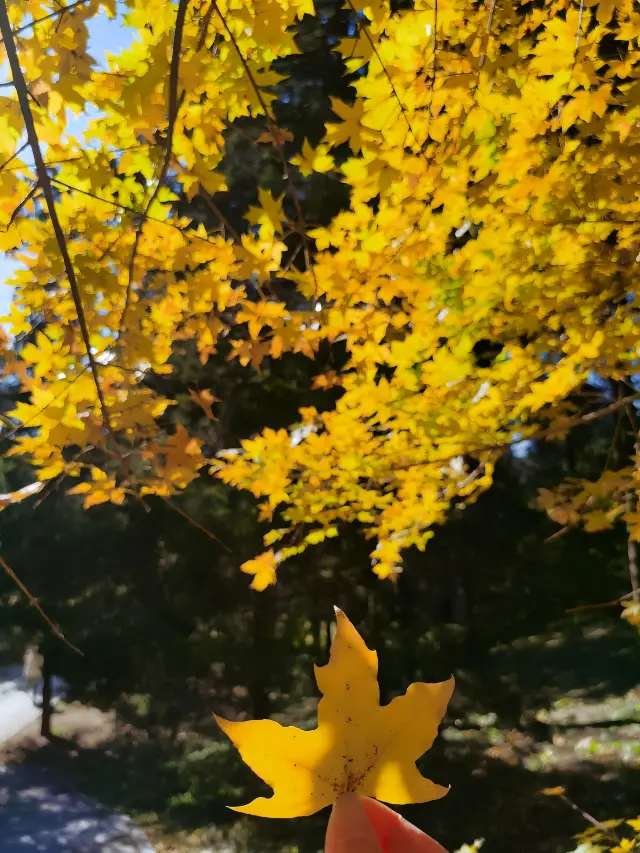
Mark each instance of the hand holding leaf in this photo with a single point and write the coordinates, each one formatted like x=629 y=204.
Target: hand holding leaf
x=358 y=747
x=360 y=825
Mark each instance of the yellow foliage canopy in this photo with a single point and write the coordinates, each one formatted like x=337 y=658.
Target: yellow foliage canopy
x=491 y=156
x=358 y=746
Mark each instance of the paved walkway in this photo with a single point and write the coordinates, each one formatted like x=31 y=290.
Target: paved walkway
x=17 y=708
x=39 y=813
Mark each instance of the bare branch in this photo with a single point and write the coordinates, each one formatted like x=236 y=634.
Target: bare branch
x=195 y=523
x=213 y=207
x=33 y=601
x=14 y=155
x=25 y=200
x=582 y=607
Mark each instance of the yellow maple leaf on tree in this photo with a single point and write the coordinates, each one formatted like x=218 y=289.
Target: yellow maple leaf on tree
x=205 y=399
x=313 y=159
x=359 y=745
x=263 y=569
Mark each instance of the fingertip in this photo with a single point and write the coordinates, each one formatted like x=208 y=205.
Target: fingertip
x=349 y=829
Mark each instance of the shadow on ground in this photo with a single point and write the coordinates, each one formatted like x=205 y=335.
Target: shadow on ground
x=40 y=814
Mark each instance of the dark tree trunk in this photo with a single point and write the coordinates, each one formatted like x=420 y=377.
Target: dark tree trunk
x=47 y=708
x=263 y=624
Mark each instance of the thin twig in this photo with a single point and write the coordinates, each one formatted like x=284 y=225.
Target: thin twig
x=579 y=33
x=558 y=534
x=133 y=211
x=30 y=420
x=363 y=28
x=81 y=156
x=54 y=484
x=613 y=603
x=213 y=207
x=25 y=201
x=60 y=11
x=172 y=113
x=550 y=432
x=292 y=259
x=273 y=130
x=195 y=523
x=14 y=155
x=591 y=819
x=33 y=601
x=488 y=30
x=47 y=190
x=204 y=29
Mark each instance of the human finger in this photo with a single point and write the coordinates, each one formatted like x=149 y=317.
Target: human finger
x=349 y=829
x=395 y=834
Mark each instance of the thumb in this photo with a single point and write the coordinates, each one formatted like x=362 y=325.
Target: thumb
x=349 y=829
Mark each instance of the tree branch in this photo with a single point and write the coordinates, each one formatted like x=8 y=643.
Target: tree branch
x=60 y=11
x=25 y=201
x=33 y=601
x=549 y=432
x=195 y=523
x=14 y=155
x=273 y=130
x=172 y=113
x=132 y=210
x=363 y=27
x=213 y=207
x=488 y=30
x=47 y=190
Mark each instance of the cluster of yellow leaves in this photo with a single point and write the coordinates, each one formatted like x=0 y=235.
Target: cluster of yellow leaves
x=631 y=612
x=513 y=125
x=358 y=746
x=597 y=504
x=615 y=835
x=601 y=838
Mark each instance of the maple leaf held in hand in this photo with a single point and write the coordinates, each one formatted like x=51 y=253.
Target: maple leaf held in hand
x=358 y=746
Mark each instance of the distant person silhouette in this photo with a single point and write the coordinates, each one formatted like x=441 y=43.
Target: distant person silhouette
x=360 y=825
x=32 y=671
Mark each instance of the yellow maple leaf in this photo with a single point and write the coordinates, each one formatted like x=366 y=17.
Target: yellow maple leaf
x=263 y=568
x=358 y=746
x=205 y=399
x=626 y=846
x=631 y=612
x=268 y=214
x=313 y=159
x=17 y=320
x=101 y=489
x=275 y=136
x=350 y=129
